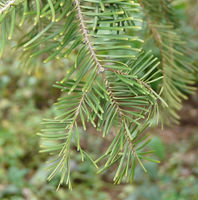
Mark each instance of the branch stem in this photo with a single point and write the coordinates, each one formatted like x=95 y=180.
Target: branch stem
x=86 y=37
x=7 y=5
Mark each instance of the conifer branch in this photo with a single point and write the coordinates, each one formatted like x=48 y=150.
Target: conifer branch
x=156 y=35
x=110 y=83
x=86 y=37
x=122 y=117
x=163 y=27
x=142 y=83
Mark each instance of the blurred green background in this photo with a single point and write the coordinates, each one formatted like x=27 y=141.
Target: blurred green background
x=26 y=99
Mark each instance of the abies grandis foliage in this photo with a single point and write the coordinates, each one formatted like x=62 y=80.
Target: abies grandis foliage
x=131 y=70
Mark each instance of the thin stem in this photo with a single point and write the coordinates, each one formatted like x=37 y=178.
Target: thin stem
x=86 y=37
x=142 y=83
x=121 y=114
x=7 y=5
x=156 y=35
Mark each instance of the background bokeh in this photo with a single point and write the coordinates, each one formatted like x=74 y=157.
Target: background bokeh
x=25 y=99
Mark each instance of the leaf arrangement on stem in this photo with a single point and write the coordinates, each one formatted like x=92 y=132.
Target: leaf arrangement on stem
x=115 y=82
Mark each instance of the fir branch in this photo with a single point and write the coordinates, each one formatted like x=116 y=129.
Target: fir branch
x=142 y=83
x=122 y=117
x=156 y=34
x=86 y=37
x=110 y=83
x=74 y=119
x=164 y=32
